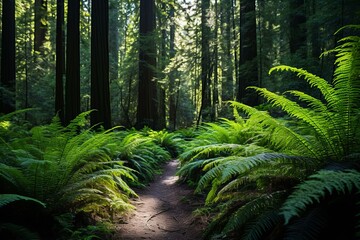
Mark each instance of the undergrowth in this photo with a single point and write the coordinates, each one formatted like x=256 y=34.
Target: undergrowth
x=295 y=177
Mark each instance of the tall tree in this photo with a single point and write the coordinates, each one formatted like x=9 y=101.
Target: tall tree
x=227 y=68
x=174 y=91
x=215 y=101
x=297 y=28
x=60 y=60
x=100 y=93
x=248 y=75
x=205 y=109
x=163 y=61
x=40 y=23
x=147 y=94
x=7 y=84
x=72 y=86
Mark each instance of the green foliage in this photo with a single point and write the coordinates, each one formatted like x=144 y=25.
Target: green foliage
x=76 y=171
x=10 y=229
x=70 y=169
x=314 y=189
x=308 y=160
x=141 y=153
x=9 y=198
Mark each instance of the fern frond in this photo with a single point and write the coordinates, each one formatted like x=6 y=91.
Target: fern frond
x=318 y=122
x=309 y=226
x=9 y=198
x=236 y=166
x=281 y=136
x=312 y=190
x=263 y=224
x=251 y=210
x=326 y=89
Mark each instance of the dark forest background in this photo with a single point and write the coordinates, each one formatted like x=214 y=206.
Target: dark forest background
x=165 y=64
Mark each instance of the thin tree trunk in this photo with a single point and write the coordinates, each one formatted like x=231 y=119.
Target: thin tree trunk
x=216 y=62
x=162 y=64
x=60 y=61
x=172 y=89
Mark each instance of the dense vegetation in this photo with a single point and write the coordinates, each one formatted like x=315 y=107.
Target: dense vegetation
x=275 y=156
x=291 y=177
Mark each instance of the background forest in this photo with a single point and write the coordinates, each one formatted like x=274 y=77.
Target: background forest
x=202 y=54
x=274 y=155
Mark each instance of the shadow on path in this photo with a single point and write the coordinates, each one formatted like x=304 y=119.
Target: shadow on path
x=163 y=211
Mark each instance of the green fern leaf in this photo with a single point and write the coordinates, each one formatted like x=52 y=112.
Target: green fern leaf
x=9 y=198
x=312 y=190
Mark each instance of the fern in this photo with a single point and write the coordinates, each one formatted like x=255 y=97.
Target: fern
x=313 y=190
x=318 y=134
x=9 y=198
x=261 y=225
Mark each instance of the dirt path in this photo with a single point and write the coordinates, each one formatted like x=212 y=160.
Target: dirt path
x=163 y=211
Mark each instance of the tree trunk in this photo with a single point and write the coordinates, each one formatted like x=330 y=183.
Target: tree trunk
x=72 y=86
x=40 y=24
x=114 y=25
x=8 y=83
x=147 y=95
x=172 y=89
x=297 y=28
x=100 y=93
x=248 y=75
x=163 y=59
x=60 y=61
x=205 y=109
x=227 y=64
x=215 y=102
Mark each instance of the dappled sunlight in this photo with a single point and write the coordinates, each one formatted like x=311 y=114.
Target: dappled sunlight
x=160 y=212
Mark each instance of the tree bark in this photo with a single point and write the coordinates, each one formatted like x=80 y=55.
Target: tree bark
x=297 y=28
x=60 y=61
x=248 y=75
x=227 y=64
x=147 y=92
x=72 y=86
x=100 y=92
x=163 y=60
x=172 y=88
x=205 y=109
x=8 y=83
x=40 y=24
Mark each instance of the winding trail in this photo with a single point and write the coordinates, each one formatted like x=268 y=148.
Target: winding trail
x=163 y=211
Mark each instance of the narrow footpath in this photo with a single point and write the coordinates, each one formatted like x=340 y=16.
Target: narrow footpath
x=163 y=211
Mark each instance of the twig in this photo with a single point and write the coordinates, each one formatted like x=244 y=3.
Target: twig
x=154 y=215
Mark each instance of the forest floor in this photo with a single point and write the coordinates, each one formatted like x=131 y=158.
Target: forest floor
x=163 y=211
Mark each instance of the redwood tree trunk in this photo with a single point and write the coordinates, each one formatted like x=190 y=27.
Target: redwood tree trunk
x=7 y=83
x=297 y=28
x=172 y=90
x=100 y=93
x=40 y=24
x=248 y=72
x=147 y=95
x=60 y=60
x=205 y=110
x=72 y=86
